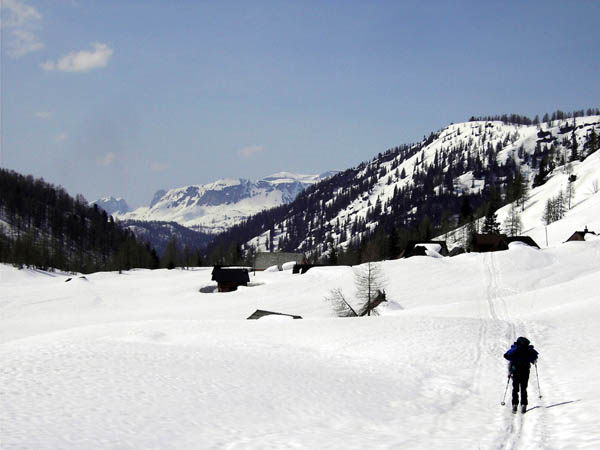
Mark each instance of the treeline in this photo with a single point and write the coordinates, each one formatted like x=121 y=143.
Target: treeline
x=45 y=227
x=161 y=234
x=418 y=211
x=519 y=119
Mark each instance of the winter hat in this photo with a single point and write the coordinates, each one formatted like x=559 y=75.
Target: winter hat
x=523 y=341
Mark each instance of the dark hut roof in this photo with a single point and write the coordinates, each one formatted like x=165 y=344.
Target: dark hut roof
x=489 y=242
x=303 y=268
x=525 y=239
x=264 y=260
x=457 y=251
x=230 y=275
x=417 y=248
x=580 y=235
x=261 y=313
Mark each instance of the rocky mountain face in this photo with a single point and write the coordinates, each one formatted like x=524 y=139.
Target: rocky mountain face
x=215 y=207
x=112 y=205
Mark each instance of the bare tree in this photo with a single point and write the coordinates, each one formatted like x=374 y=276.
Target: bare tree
x=369 y=281
x=513 y=224
x=341 y=306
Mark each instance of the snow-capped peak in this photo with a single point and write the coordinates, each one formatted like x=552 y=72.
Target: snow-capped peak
x=216 y=206
x=113 y=205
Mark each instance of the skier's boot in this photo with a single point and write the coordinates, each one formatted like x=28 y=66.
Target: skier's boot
x=514 y=411
x=523 y=409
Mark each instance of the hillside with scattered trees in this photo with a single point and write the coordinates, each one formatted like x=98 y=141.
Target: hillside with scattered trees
x=451 y=179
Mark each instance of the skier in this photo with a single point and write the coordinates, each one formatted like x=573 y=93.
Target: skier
x=521 y=355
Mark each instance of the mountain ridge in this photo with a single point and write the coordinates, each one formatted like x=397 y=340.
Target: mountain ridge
x=418 y=191
x=216 y=206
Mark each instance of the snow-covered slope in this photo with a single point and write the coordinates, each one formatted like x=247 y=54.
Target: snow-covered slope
x=585 y=201
x=214 y=207
x=463 y=152
x=145 y=360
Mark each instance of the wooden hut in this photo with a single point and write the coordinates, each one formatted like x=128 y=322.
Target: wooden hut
x=228 y=279
x=457 y=251
x=524 y=239
x=489 y=242
x=419 y=248
x=303 y=268
x=264 y=260
x=580 y=235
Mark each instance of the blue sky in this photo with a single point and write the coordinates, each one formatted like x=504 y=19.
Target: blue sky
x=127 y=97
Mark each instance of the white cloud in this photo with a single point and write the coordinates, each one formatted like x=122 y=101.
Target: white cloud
x=18 y=13
x=82 y=61
x=62 y=137
x=44 y=115
x=247 y=152
x=20 y=22
x=107 y=159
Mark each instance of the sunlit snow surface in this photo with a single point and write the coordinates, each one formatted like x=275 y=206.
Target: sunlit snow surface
x=144 y=360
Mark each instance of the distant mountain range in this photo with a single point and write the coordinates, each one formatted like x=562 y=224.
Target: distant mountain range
x=215 y=207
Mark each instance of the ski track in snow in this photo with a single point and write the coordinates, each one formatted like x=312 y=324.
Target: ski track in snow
x=520 y=431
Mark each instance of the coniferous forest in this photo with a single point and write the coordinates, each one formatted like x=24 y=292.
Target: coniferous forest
x=42 y=226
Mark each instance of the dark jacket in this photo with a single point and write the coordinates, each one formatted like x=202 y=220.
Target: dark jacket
x=521 y=356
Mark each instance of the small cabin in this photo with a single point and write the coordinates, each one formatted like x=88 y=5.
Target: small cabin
x=580 y=235
x=482 y=243
x=303 y=268
x=229 y=279
x=524 y=239
x=264 y=260
x=458 y=250
x=419 y=248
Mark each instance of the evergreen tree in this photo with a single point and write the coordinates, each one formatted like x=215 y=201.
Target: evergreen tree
x=466 y=211
x=592 y=144
x=490 y=224
x=170 y=258
x=332 y=257
x=574 y=145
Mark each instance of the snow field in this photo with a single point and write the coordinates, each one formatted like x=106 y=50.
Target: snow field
x=145 y=360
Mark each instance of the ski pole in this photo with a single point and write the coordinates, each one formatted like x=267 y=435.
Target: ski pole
x=505 y=391
x=538 y=379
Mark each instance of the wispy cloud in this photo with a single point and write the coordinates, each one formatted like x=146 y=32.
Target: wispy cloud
x=82 y=61
x=251 y=150
x=61 y=137
x=20 y=22
x=158 y=167
x=107 y=160
x=44 y=115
